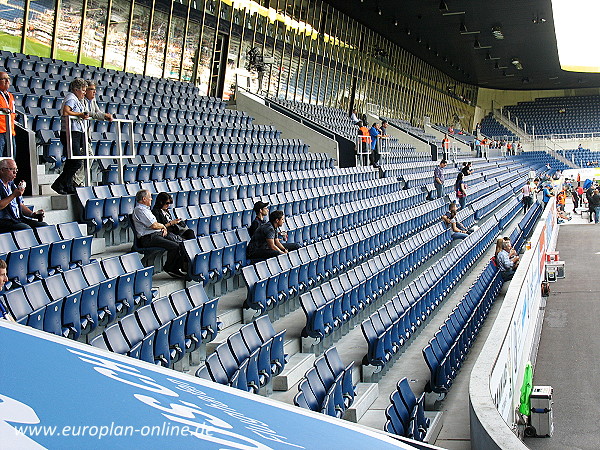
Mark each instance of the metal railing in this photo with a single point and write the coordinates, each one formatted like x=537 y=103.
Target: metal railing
x=363 y=150
x=9 y=149
x=88 y=155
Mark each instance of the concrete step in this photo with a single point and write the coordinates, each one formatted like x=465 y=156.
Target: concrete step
x=294 y=371
x=435 y=426
x=98 y=246
x=230 y=317
x=222 y=337
x=366 y=394
x=45 y=180
x=58 y=208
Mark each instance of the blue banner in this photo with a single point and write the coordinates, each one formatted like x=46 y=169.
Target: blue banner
x=56 y=393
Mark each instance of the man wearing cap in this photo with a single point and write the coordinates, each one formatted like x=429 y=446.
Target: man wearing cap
x=262 y=211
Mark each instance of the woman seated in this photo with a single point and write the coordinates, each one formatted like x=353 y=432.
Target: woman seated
x=163 y=216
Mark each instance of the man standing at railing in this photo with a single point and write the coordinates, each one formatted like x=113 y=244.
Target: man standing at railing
x=7 y=105
x=446 y=146
x=438 y=178
x=73 y=106
x=91 y=105
x=374 y=132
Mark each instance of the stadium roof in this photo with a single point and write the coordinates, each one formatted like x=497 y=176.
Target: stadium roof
x=508 y=44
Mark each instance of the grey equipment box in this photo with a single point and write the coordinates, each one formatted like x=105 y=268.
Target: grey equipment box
x=541 y=411
x=555 y=270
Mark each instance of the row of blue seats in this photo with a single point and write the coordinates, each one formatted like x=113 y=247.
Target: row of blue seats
x=137 y=171
x=416 y=302
x=330 y=306
x=108 y=206
x=49 y=93
x=166 y=330
x=249 y=359
x=526 y=225
x=446 y=351
x=175 y=129
x=275 y=281
x=327 y=387
x=18 y=62
x=140 y=107
x=36 y=253
x=483 y=206
x=166 y=145
x=406 y=414
x=221 y=166
x=342 y=217
x=508 y=212
x=218 y=256
x=78 y=300
x=28 y=84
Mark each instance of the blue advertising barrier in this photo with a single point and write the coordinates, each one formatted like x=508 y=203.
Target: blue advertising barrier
x=56 y=393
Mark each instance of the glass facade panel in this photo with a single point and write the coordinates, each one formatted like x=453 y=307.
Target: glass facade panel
x=190 y=50
x=158 y=38
x=320 y=56
x=173 y=61
x=118 y=29
x=69 y=27
x=94 y=29
x=203 y=77
x=40 y=28
x=11 y=25
x=136 y=52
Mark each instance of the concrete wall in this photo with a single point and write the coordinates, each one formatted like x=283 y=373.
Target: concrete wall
x=496 y=378
x=290 y=128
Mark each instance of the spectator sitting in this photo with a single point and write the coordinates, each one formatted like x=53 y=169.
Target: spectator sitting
x=261 y=209
x=500 y=243
x=354 y=117
x=459 y=231
x=163 y=215
x=265 y=241
x=507 y=264
x=467 y=168
x=4 y=314
x=14 y=215
x=150 y=233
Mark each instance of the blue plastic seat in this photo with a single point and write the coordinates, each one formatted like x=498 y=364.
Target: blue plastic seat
x=22 y=311
x=166 y=315
x=81 y=247
x=71 y=316
x=60 y=249
x=149 y=325
x=126 y=299
x=16 y=260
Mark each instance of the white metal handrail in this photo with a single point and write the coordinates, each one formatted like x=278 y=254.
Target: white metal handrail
x=10 y=151
x=87 y=157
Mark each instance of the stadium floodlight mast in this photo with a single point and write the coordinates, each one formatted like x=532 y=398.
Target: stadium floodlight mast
x=577 y=37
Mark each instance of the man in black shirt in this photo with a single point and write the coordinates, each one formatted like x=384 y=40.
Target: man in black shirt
x=265 y=240
x=261 y=209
